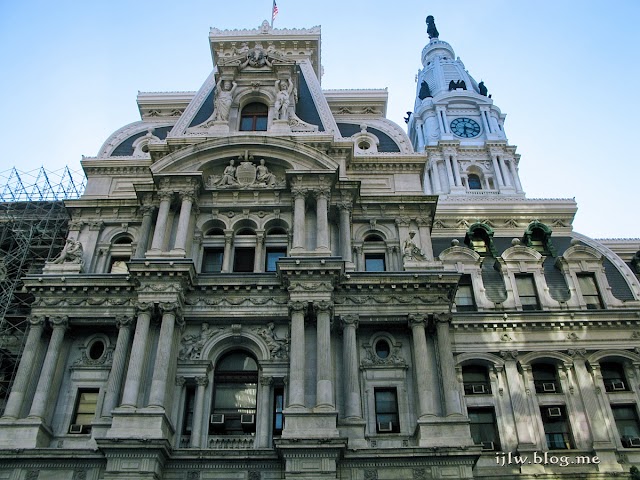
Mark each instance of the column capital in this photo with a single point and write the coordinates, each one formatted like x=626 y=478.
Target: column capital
x=323 y=306
x=509 y=354
x=345 y=205
x=123 y=321
x=322 y=192
x=146 y=209
x=171 y=307
x=59 y=322
x=265 y=381
x=577 y=353
x=417 y=320
x=297 y=306
x=423 y=221
x=202 y=381
x=36 y=320
x=165 y=194
x=180 y=381
x=441 y=318
x=351 y=320
x=298 y=192
x=143 y=307
x=76 y=225
x=96 y=226
x=188 y=194
x=403 y=221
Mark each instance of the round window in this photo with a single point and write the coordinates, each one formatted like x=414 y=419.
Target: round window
x=382 y=349
x=364 y=145
x=96 y=350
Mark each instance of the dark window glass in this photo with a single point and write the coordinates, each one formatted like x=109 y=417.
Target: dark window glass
x=589 y=289
x=374 y=262
x=387 y=420
x=476 y=380
x=189 y=403
x=243 y=259
x=273 y=255
x=278 y=405
x=383 y=349
x=465 y=301
x=556 y=428
x=527 y=292
x=626 y=419
x=474 y=182
x=85 y=411
x=545 y=378
x=212 y=260
x=254 y=118
x=484 y=430
x=614 y=377
x=96 y=350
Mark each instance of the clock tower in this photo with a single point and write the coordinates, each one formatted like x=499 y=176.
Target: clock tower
x=456 y=123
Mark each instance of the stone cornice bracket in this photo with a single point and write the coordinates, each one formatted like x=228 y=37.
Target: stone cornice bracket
x=123 y=321
x=36 y=320
x=297 y=306
x=509 y=354
x=61 y=321
x=416 y=320
x=350 y=320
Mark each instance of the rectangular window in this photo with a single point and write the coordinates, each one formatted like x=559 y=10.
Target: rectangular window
x=212 y=260
x=589 y=289
x=527 y=292
x=278 y=405
x=556 y=428
x=465 y=301
x=374 y=262
x=484 y=429
x=243 y=259
x=626 y=419
x=273 y=255
x=189 y=403
x=387 y=420
x=85 y=411
x=476 y=380
x=614 y=377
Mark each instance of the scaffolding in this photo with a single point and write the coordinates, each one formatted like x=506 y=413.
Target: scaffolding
x=33 y=229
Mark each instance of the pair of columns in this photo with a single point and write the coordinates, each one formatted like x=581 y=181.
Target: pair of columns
x=322 y=218
x=423 y=367
x=40 y=403
x=160 y=232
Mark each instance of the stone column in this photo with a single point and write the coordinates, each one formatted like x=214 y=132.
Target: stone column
x=258 y=263
x=417 y=323
x=496 y=168
x=447 y=164
x=263 y=427
x=519 y=404
x=297 y=355
x=41 y=397
x=435 y=174
x=345 y=231
x=505 y=172
x=137 y=357
x=322 y=219
x=228 y=244
x=324 y=367
x=359 y=258
x=145 y=230
x=23 y=376
x=164 y=353
x=114 y=383
x=450 y=386
x=198 y=409
x=424 y=231
x=353 y=406
x=428 y=185
x=485 y=123
x=184 y=220
x=456 y=169
x=514 y=175
x=178 y=410
x=298 y=195
x=391 y=259
x=157 y=244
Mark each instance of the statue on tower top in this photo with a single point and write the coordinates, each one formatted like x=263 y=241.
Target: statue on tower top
x=432 y=31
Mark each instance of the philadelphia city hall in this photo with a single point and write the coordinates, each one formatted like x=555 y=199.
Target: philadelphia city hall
x=267 y=280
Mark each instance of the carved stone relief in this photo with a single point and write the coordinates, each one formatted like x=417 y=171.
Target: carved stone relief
x=278 y=347
x=191 y=344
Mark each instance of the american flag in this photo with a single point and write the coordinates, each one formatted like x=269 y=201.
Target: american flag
x=274 y=12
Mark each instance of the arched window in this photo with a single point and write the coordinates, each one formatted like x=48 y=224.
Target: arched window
x=254 y=118
x=476 y=380
x=120 y=253
x=474 y=182
x=374 y=253
x=545 y=378
x=235 y=395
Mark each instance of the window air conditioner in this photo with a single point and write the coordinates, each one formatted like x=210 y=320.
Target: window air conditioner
x=617 y=385
x=554 y=412
x=247 y=419
x=634 y=441
x=217 y=419
x=488 y=446
x=385 y=426
x=478 y=389
x=549 y=387
x=77 y=428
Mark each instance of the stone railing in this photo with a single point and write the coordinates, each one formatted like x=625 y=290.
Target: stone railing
x=229 y=442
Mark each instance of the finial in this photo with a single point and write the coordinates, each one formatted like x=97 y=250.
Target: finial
x=432 y=31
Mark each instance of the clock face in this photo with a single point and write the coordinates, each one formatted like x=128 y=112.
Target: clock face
x=465 y=127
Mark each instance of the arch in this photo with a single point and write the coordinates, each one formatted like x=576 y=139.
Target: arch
x=362 y=231
x=479 y=357
x=243 y=224
x=611 y=354
x=121 y=238
x=534 y=357
x=224 y=342
x=373 y=238
x=460 y=254
x=522 y=253
x=480 y=232
x=538 y=236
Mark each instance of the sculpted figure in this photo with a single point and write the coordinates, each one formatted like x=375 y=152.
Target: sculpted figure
x=263 y=175
x=411 y=250
x=432 y=31
x=71 y=253
x=284 y=88
x=229 y=174
x=223 y=100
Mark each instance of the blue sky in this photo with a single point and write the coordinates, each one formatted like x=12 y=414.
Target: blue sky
x=564 y=72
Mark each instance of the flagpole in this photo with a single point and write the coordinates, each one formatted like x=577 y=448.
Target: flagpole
x=272 y=15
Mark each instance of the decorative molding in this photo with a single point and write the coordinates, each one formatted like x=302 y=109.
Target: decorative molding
x=192 y=344
x=278 y=347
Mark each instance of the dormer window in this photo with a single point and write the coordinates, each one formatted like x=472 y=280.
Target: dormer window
x=538 y=237
x=474 y=182
x=254 y=118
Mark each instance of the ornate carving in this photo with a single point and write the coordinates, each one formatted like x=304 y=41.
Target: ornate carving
x=254 y=475
x=297 y=306
x=266 y=381
x=192 y=344
x=394 y=359
x=143 y=307
x=36 y=320
x=61 y=321
x=416 y=320
x=170 y=307
x=278 y=347
x=410 y=250
x=32 y=475
x=80 y=474
x=180 y=381
x=246 y=175
x=509 y=354
x=193 y=475
x=71 y=253
x=370 y=474
x=284 y=89
x=323 y=306
x=123 y=321
x=444 y=317
x=223 y=100
x=350 y=320
x=420 y=474
x=202 y=381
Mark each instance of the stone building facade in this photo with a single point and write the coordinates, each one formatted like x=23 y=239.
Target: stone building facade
x=267 y=280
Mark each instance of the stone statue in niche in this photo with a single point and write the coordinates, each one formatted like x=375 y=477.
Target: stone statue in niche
x=224 y=97
x=71 y=253
x=284 y=89
x=411 y=251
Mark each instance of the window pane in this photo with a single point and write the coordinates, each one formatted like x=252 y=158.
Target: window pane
x=464 y=300
x=246 y=124
x=243 y=260
x=273 y=255
x=626 y=422
x=386 y=411
x=374 y=262
x=483 y=428
x=86 y=408
x=212 y=260
x=261 y=124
